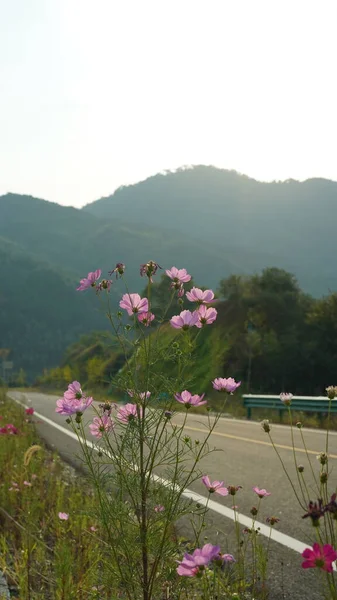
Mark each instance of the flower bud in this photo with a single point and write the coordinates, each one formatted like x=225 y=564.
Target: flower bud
x=323 y=477
x=323 y=458
x=266 y=425
x=331 y=391
x=300 y=468
x=299 y=425
x=68 y=421
x=254 y=511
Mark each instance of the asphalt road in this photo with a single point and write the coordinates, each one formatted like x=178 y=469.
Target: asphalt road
x=244 y=457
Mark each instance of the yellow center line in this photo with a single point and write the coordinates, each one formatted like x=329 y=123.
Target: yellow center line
x=244 y=439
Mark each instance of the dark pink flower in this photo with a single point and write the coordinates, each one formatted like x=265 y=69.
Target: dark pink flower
x=133 y=303
x=128 y=413
x=319 y=556
x=206 y=316
x=29 y=411
x=70 y=407
x=186 y=398
x=200 y=296
x=145 y=318
x=178 y=276
x=100 y=425
x=214 y=486
x=63 y=516
x=159 y=508
x=89 y=281
x=185 y=320
x=261 y=493
x=10 y=429
x=225 y=385
x=201 y=557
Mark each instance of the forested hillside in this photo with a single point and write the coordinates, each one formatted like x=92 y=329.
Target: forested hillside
x=269 y=334
x=211 y=221
x=39 y=311
x=290 y=225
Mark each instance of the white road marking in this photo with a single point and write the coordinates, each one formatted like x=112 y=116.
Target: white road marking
x=276 y=536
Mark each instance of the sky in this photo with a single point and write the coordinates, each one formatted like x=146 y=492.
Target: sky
x=95 y=94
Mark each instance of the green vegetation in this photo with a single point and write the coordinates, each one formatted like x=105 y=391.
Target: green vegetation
x=269 y=334
x=42 y=556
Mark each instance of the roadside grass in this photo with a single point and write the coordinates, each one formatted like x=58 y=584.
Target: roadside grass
x=42 y=556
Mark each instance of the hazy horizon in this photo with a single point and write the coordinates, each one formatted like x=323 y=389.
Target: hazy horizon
x=95 y=96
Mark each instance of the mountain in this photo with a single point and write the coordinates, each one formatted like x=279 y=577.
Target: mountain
x=290 y=224
x=39 y=310
x=46 y=248
x=213 y=222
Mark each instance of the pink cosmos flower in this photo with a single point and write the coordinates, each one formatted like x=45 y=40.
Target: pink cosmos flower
x=145 y=318
x=93 y=528
x=70 y=407
x=128 y=413
x=63 y=516
x=201 y=557
x=186 y=398
x=133 y=303
x=100 y=425
x=178 y=276
x=286 y=398
x=74 y=391
x=206 y=316
x=159 y=508
x=227 y=558
x=29 y=411
x=215 y=486
x=261 y=493
x=89 y=281
x=185 y=320
x=319 y=556
x=225 y=385
x=27 y=483
x=202 y=297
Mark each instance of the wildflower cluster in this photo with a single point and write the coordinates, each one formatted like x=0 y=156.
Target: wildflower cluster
x=73 y=401
x=143 y=436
